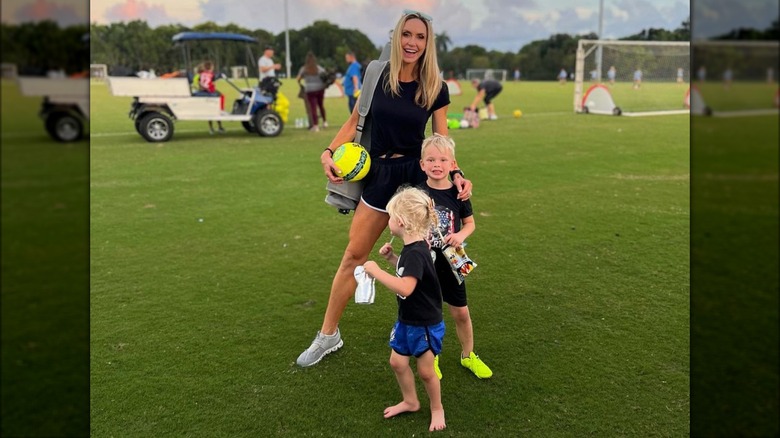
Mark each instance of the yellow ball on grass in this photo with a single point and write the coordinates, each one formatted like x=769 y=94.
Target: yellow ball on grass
x=517 y=114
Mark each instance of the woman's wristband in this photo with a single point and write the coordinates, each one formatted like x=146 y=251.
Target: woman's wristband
x=331 y=152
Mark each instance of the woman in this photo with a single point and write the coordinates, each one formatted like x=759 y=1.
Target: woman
x=315 y=90
x=409 y=93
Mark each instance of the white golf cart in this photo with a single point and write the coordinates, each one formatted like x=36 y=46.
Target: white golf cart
x=65 y=108
x=157 y=102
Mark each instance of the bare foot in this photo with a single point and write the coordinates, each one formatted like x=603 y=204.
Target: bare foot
x=402 y=407
x=437 y=420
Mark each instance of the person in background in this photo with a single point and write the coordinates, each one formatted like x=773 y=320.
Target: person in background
x=487 y=90
x=637 y=78
x=352 y=80
x=207 y=88
x=314 y=87
x=611 y=75
x=266 y=66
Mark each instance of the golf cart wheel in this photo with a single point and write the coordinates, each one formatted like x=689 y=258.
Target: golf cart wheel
x=155 y=127
x=249 y=126
x=268 y=123
x=64 y=127
x=617 y=111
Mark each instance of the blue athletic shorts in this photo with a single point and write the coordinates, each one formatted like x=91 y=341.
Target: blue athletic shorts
x=386 y=175
x=410 y=340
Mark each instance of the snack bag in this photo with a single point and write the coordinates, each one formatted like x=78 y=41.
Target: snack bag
x=460 y=263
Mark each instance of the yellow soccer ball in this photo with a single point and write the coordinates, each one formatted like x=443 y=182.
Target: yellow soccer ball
x=353 y=160
x=517 y=114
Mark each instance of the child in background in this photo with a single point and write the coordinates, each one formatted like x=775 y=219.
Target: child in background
x=208 y=88
x=455 y=223
x=419 y=330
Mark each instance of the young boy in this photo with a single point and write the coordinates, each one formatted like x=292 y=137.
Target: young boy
x=419 y=330
x=456 y=223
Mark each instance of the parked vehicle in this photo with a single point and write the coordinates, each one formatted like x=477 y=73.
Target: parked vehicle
x=158 y=102
x=65 y=108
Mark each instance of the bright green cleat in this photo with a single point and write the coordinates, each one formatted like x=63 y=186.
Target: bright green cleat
x=475 y=364
x=436 y=366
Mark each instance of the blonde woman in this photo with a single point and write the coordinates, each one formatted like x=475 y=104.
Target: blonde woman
x=409 y=93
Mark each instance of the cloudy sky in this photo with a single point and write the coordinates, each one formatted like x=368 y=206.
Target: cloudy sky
x=504 y=25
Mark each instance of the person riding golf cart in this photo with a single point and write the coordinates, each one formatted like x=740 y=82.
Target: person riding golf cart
x=157 y=102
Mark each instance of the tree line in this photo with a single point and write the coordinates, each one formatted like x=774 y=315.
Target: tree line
x=127 y=47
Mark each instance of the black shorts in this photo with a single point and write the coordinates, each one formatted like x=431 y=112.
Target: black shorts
x=386 y=176
x=453 y=293
x=491 y=95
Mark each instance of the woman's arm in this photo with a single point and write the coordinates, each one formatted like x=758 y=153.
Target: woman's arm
x=346 y=134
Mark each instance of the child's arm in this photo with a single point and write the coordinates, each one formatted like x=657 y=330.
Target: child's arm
x=467 y=227
x=386 y=251
x=403 y=286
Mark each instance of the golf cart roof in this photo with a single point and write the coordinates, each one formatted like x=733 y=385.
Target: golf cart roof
x=219 y=36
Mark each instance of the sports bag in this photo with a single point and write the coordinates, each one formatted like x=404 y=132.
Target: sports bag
x=345 y=196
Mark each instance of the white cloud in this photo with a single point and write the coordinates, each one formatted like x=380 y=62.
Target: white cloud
x=584 y=13
x=619 y=14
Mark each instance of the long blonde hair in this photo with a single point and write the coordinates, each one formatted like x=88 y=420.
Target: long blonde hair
x=428 y=74
x=415 y=209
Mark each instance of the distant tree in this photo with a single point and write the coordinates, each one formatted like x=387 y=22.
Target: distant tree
x=683 y=33
x=443 y=43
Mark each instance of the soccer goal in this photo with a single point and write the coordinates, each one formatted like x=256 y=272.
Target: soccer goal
x=239 y=72
x=497 y=74
x=632 y=77
x=9 y=70
x=98 y=72
x=737 y=77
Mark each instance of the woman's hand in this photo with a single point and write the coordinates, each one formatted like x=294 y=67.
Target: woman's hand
x=330 y=168
x=463 y=185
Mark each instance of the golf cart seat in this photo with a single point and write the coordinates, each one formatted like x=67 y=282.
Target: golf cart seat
x=270 y=86
x=132 y=87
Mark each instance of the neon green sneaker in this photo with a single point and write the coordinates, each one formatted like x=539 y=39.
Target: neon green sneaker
x=436 y=366
x=475 y=364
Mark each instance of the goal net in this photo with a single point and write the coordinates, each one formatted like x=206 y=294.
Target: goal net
x=638 y=76
x=737 y=77
x=497 y=74
x=9 y=70
x=239 y=72
x=98 y=72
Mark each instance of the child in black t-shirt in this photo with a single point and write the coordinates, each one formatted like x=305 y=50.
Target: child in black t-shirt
x=419 y=330
x=455 y=224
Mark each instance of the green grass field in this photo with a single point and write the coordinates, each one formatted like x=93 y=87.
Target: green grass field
x=212 y=257
x=45 y=253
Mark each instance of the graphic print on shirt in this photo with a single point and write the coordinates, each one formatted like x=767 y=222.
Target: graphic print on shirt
x=446 y=226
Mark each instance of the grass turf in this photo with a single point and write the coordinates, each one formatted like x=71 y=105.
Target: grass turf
x=212 y=256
